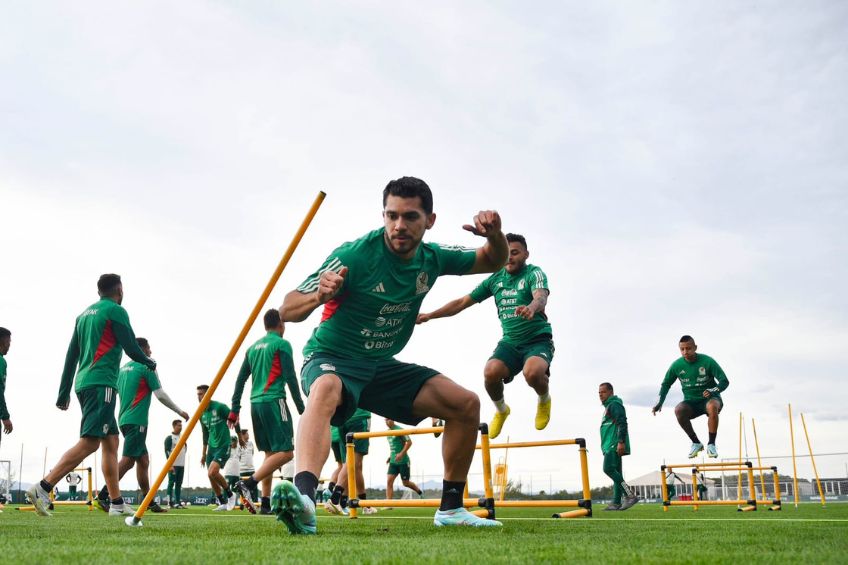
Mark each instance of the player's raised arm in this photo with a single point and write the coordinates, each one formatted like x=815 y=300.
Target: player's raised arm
x=493 y=254
x=452 y=308
x=300 y=303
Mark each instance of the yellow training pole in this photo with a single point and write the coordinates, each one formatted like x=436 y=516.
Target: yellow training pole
x=584 y=471
x=759 y=461
x=794 y=464
x=695 y=490
x=350 y=461
x=739 y=477
x=810 y=447
x=135 y=520
x=664 y=489
x=487 y=464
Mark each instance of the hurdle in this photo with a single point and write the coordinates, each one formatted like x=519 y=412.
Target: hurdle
x=354 y=503
x=583 y=505
x=88 y=502
x=745 y=505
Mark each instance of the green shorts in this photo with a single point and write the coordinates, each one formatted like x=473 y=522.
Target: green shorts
x=401 y=469
x=98 y=411
x=337 y=448
x=135 y=440
x=387 y=387
x=218 y=455
x=515 y=356
x=699 y=407
x=359 y=445
x=272 y=425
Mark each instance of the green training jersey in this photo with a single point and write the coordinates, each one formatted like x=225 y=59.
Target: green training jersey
x=136 y=384
x=216 y=434
x=100 y=334
x=4 y=411
x=373 y=315
x=701 y=374
x=614 y=426
x=270 y=362
x=510 y=292
x=396 y=444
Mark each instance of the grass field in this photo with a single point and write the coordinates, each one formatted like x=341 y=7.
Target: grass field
x=646 y=534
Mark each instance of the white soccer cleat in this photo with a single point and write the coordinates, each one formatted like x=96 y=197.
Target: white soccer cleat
x=232 y=501
x=333 y=508
x=368 y=510
x=121 y=510
x=40 y=499
x=695 y=450
x=462 y=517
x=221 y=508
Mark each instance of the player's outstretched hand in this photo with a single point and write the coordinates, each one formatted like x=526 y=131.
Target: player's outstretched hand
x=330 y=284
x=184 y=416
x=422 y=318
x=486 y=223
x=656 y=409
x=7 y=426
x=525 y=312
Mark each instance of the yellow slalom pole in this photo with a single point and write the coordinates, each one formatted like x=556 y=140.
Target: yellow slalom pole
x=487 y=464
x=794 y=463
x=695 y=490
x=135 y=520
x=350 y=461
x=810 y=447
x=90 y=491
x=759 y=461
x=739 y=477
x=664 y=488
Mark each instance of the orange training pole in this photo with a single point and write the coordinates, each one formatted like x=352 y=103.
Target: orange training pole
x=135 y=520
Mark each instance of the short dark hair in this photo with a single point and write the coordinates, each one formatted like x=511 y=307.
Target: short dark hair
x=514 y=237
x=175 y=422
x=272 y=318
x=410 y=187
x=686 y=339
x=203 y=387
x=244 y=431
x=608 y=385
x=4 y=333
x=142 y=342
x=107 y=284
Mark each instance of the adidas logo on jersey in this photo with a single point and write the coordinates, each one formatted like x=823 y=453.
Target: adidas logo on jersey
x=379 y=288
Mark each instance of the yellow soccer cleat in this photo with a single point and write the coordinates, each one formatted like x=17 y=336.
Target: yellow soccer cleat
x=543 y=414
x=497 y=423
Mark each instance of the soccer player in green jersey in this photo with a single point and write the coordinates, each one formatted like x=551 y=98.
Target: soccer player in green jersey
x=177 y=472
x=371 y=290
x=615 y=444
x=5 y=343
x=101 y=333
x=702 y=380
x=136 y=384
x=270 y=362
x=521 y=294
x=216 y=448
x=398 y=461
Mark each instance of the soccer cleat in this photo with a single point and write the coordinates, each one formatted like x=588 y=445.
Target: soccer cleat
x=264 y=511
x=220 y=508
x=711 y=450
x=121 y=510
x=244 y=492
x=369 y=510
x=332 y=508
x=156 y=508
x=40 y=499
x=438 y=423
x=295 y=510
x=629 y=501
x=612 y=506
x=232 y=501
x=695 y=450
x=543 y=414
x=461 y=517
x=497 y=423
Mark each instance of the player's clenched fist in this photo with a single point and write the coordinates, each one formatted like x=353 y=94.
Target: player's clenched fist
x=486 y=223
x=330 y=284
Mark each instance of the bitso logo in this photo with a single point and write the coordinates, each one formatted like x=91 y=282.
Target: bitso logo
x=421 y=285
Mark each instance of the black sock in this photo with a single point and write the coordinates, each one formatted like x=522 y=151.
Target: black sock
x=694 y=437
x=222 y=499
x=118 y=501
x=306 y=483
x=452 y=494
x=331 y=486
x=103 y=494
x=336 y=497
x=712 y=437
x=266 y=502
x=250 y=483
x=46 y=486
x=344 y=502
x=419 y=491
x=228 y=493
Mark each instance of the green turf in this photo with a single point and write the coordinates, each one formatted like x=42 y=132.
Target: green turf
x=645 y=533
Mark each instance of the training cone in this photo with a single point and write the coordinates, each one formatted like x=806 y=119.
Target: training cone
x=132 y=522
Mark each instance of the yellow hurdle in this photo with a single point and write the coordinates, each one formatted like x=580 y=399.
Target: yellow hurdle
x=746 y=505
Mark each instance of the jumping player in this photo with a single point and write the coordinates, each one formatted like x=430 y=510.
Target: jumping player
x=703 y=381
x=521 y=294
x=270 y=362
x=371 y=290
x=101 y=332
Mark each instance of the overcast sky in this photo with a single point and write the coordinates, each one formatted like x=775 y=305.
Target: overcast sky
x=675 y=167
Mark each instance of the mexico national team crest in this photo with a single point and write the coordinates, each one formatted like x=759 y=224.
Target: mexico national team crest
x=421 y=285
x=702 y=371
x=521 y=284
